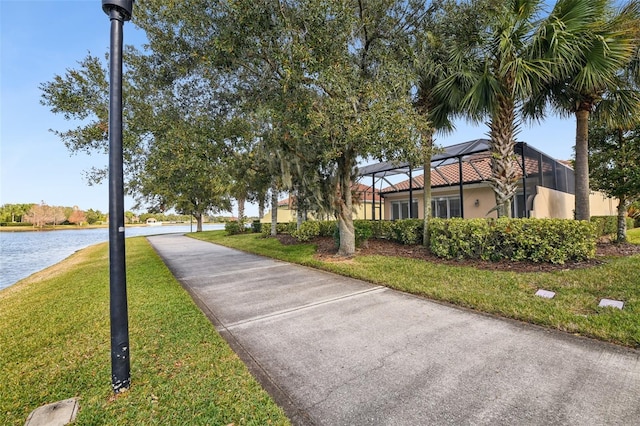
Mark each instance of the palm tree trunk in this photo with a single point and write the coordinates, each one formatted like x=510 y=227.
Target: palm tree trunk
x=582 y=211
x=241 y=201
x=503 y=165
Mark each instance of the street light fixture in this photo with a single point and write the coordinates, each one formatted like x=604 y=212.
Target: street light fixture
x=118 y=12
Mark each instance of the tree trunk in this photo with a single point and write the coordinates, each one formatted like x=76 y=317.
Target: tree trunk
x=241 y=201
x=299 y=218
x=198 y=217
x=503 y=165
x=621 y=236
x=261 y=208
x=298 y=206
x=274 y=210
x=345 y=212
x=426 y=193
x=582 y=211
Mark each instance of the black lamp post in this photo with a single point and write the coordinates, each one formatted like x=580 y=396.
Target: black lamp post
x=118 y=11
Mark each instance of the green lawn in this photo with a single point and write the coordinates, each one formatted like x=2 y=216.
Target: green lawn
x=55 y=345
x=574 y=308
x=633 y=235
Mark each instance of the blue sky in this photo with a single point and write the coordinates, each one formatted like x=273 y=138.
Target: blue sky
x=40 y=39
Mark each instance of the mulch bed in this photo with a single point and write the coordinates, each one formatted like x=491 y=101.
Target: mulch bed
x=326 y=250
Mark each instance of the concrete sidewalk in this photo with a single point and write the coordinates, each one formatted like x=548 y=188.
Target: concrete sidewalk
x=337 y=351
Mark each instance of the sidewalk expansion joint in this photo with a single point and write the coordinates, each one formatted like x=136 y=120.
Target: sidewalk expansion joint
x=222 y=274
x=283 y=312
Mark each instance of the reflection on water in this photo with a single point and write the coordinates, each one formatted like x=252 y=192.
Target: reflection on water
x=24 y=253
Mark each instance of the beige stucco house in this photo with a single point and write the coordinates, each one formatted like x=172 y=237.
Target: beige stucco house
x=367 y=202
x=460 y=188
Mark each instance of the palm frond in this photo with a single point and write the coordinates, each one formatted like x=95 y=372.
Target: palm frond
x=619 y=109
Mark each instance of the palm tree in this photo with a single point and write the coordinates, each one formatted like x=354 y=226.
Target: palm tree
x=430 y=60
x=613 y=151
x=497 y=82
x=449 y=24
x=602 y=44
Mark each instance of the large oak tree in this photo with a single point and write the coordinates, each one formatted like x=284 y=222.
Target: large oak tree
x=337 y=54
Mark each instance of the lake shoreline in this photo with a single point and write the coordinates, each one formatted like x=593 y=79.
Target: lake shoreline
x=25 y=253
x=74 y=227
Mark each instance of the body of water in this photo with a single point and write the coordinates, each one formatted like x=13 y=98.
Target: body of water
x=24 y=253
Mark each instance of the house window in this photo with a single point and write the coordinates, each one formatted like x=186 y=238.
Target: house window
x=400 y=210
x=445 y=207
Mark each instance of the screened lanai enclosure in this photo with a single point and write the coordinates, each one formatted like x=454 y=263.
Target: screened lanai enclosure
x=459 y=171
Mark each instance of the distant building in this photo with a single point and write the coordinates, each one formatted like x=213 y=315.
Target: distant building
x=153 y=222
x=366 y=203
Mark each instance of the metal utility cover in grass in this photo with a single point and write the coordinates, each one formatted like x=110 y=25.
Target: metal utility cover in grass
x=57 y=413
x=545 y=293
x=611 y=303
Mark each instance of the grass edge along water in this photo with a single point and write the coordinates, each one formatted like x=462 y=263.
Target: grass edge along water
x=56 y=345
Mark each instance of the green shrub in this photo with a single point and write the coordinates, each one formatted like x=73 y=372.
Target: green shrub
x=537 y=240
x=460 y=238
x=286 y=228
x=307 y=231
x=281 y=228
x=407 y=231
x=336 y=235
x=327 y=228
x=608 y=225
x=382 y=229
x=605 y=225
x=265 y=231
x=256 y=226
x=234 y=228
x=363 y=231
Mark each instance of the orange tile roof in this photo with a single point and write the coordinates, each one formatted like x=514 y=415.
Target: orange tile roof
x=476 y=168
x=361 y=192
x=364 y=192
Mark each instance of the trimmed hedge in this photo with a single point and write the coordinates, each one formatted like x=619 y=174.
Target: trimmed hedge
x=307 y=231
x=286 y=228
x=537 y=240
x=265 y=231
x=327 y=228
x=460 y=238
x=234 y=228
x=281 y=228
x=407 y=231
x=361 y=228
x=363 y=231
x=382 y=229
x=608 y=225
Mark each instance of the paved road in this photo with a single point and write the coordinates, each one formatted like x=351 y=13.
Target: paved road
x=337 y=351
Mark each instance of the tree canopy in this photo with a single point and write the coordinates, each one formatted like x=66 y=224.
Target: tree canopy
x=231 y=98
